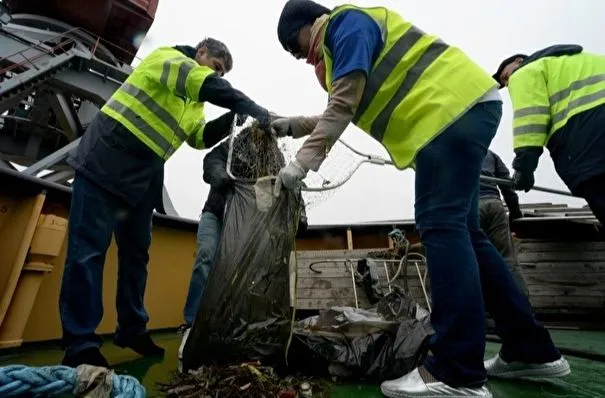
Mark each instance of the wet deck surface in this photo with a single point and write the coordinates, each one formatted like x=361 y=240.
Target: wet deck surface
x=586 y=379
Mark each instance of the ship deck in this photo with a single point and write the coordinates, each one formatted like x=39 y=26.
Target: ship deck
x=585 y=380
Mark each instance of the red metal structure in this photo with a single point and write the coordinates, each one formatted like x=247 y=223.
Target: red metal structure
x=60 y=61
x=121 y=22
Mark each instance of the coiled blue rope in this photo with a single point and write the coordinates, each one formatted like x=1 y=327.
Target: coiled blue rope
x=53 y=380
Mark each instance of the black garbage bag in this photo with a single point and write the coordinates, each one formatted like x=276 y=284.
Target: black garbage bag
x=376 y=344
x=245 y=311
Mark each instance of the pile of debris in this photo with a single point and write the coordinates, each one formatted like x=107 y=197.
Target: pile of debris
x=247 y=379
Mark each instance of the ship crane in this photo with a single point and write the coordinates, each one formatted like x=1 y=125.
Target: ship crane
x=60 y=61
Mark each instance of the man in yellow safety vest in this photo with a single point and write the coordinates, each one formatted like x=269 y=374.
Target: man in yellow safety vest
x=118 y=182
x=558 y=98
x=437 y=111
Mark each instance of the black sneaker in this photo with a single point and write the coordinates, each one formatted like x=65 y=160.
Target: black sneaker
x=89 y=356
x=142 y=345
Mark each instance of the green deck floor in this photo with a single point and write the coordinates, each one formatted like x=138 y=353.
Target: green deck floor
x=586 y=379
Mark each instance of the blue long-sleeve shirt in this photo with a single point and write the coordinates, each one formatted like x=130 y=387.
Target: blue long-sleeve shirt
x=355 y=41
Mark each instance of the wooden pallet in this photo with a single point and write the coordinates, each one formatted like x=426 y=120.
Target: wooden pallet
x=564 y=277
x=334 y=286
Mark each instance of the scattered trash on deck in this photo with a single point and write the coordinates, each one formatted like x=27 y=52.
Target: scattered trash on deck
x=251 y=379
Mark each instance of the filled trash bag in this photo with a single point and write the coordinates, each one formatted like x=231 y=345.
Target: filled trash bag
x=381 y=343
x=245 y=312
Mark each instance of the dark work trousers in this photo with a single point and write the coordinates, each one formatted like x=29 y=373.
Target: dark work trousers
x=467 y=274
x=493 y=220
x=94 y=216
x=593 y=191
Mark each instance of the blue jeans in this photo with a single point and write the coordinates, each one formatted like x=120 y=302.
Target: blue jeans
x=94 y=216
x=466 y=271
x=208 y=238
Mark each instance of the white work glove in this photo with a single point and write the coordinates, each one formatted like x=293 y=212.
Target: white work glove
x=290 y=177
x=281 y=127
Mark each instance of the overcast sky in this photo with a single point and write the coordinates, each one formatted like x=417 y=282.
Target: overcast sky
x=487 y=31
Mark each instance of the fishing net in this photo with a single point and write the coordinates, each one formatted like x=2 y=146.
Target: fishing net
x=269 y=155
x=254 y=154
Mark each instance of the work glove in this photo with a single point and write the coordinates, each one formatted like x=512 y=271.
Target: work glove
x=225 y=181
x=221 y=180
x=523 y=181
x=514 y=214
x=281 y=127
x=290 y=177
x=264 y=121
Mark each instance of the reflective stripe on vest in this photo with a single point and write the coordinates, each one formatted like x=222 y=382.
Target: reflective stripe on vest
x=158 y=102
x=181 y=76
x=150 y=133
x=547 y=92
x=385 y=67
x=417 y=88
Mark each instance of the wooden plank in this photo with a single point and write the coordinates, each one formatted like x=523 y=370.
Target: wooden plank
x=570 y=280
x=546 y=246
x=334 y=285
x=345 y=292
x=349 y=239
x=535 y=257
x=319 y=304
x=567 y=302
x=565 y=291
x=335 y=269
x=329 y=254
x=336 y=282
x=567 y=266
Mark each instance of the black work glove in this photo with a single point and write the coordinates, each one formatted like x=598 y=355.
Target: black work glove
x=514 y=214
x=264 y=121
x=262 y=116
x=222 y=180
x=523 y=181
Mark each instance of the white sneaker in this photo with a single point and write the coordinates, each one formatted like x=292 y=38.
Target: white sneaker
x=412 y=385
x=497 y=367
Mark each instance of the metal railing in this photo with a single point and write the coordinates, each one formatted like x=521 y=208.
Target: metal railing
x=44 y=51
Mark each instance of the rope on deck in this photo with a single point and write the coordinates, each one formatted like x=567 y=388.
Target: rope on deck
x=54 y=380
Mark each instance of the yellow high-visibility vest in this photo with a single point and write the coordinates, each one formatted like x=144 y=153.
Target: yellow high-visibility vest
x=417 y=88
x=158 y=102
x=547 y=92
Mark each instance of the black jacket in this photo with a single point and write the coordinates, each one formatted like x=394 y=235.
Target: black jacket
x=219 y=92
x=493 y=166
x=215 y=174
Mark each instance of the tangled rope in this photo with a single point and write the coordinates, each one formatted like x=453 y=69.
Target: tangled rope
x=17 y=380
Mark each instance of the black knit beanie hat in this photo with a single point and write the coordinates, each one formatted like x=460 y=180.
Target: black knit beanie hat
x=295 y=15
x=503 y=65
